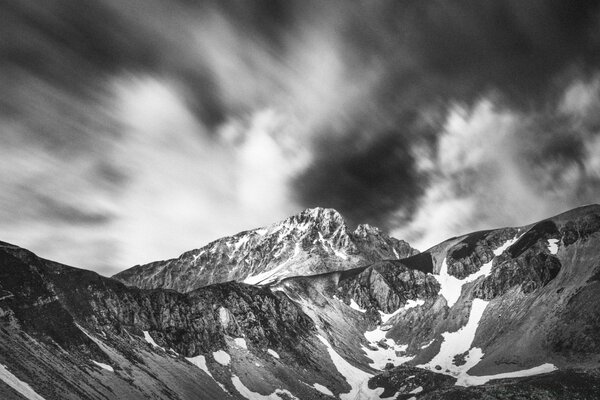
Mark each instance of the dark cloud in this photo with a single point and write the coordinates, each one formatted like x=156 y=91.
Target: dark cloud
x=434 y=55
x=363 y=94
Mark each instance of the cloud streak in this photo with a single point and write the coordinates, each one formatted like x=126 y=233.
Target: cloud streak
x=135 y=130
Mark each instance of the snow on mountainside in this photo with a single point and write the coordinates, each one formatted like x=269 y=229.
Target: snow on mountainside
x=494 y=314
x=315 y=241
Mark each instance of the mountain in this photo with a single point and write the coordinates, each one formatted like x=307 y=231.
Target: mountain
x=316 y=240
x=510 y=313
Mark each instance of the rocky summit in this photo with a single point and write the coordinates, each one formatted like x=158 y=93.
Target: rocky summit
x=316 y=240
x=309 y=309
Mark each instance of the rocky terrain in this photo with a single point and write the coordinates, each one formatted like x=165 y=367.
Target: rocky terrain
x=316 y=240
x=510 y=313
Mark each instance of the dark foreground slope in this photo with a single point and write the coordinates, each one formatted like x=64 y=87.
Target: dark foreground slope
x=72 y=334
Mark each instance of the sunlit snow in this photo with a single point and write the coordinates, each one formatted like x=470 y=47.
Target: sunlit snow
x=451 y=287
x=322 y=389
x=468 y=380
x=355 y=377
x=149 y=339
x=200 y=362
x=241 y=342
x=23 y=388
x=221 y=357
x=553 y=246
x=409 y=304
x=356 y=307
x=104 y=366
x=459 y=342
x=273 y=353
x=382 y=356
x=250 y=395
x=417 y=390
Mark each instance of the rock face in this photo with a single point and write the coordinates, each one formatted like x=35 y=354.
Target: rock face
x=315 y=241
x=504 y=313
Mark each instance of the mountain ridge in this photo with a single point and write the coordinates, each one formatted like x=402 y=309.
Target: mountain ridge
x=313 y=241
x=502 y=313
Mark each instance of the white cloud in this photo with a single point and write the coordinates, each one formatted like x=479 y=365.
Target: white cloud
x=186 y=188
x=481 y=181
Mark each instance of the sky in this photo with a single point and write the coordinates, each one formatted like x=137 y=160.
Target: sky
x=134 y=130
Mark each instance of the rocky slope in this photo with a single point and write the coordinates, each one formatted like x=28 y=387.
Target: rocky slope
x=505 y=313
x=316 y=240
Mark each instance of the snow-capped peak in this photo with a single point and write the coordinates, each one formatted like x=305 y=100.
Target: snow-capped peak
x=313 y=241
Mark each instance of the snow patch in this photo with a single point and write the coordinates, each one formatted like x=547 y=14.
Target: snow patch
x=428 y=344
x=250 y=395
x=468 y=380
x=241 y=342
x=451 y=287
x=506 y=245
x=273 y=353
x=149 y=339
x=417 y=390
x=409 y=304
x=380 y=355
x=553 y=246
x=274 y=274
x=322 y=389
x=23 y=388
x=104 y=366
x=356 y=307
x=200 y=362
x=459 y=342
x=221 y=357
x=356 y=378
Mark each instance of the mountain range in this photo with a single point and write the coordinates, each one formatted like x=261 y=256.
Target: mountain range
x=309 y=309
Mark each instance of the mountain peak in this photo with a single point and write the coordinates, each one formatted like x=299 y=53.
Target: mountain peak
x=363 y=230
x=313 y=241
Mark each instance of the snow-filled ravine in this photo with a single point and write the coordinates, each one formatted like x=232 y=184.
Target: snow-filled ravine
x=451 y=287
x=250 y=395
x=104 y=366
x=356 y=378
x=460 y=342
x=382 y=350
x=18 y=385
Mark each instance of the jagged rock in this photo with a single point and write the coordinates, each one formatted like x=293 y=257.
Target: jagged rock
x=467 y=256
x=315 y=241
x=533 y=269
x=387 y=286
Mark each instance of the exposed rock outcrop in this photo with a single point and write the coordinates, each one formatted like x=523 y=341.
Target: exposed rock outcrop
x=315 y=241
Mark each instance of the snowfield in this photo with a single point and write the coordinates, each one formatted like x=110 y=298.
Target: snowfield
x=457 y=343
x=273 y=353
x=409 y=304
x=322 y=389
x=23 y=388
x=104 y=366
x=451 y=287
x=469 y=380
x=250 y=395
x=356 y=378
x=149 y=339
x=553 y=246
x=382 y=356
x=222 y=357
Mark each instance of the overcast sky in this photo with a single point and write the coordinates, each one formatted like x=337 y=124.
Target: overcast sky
x=134 y=130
